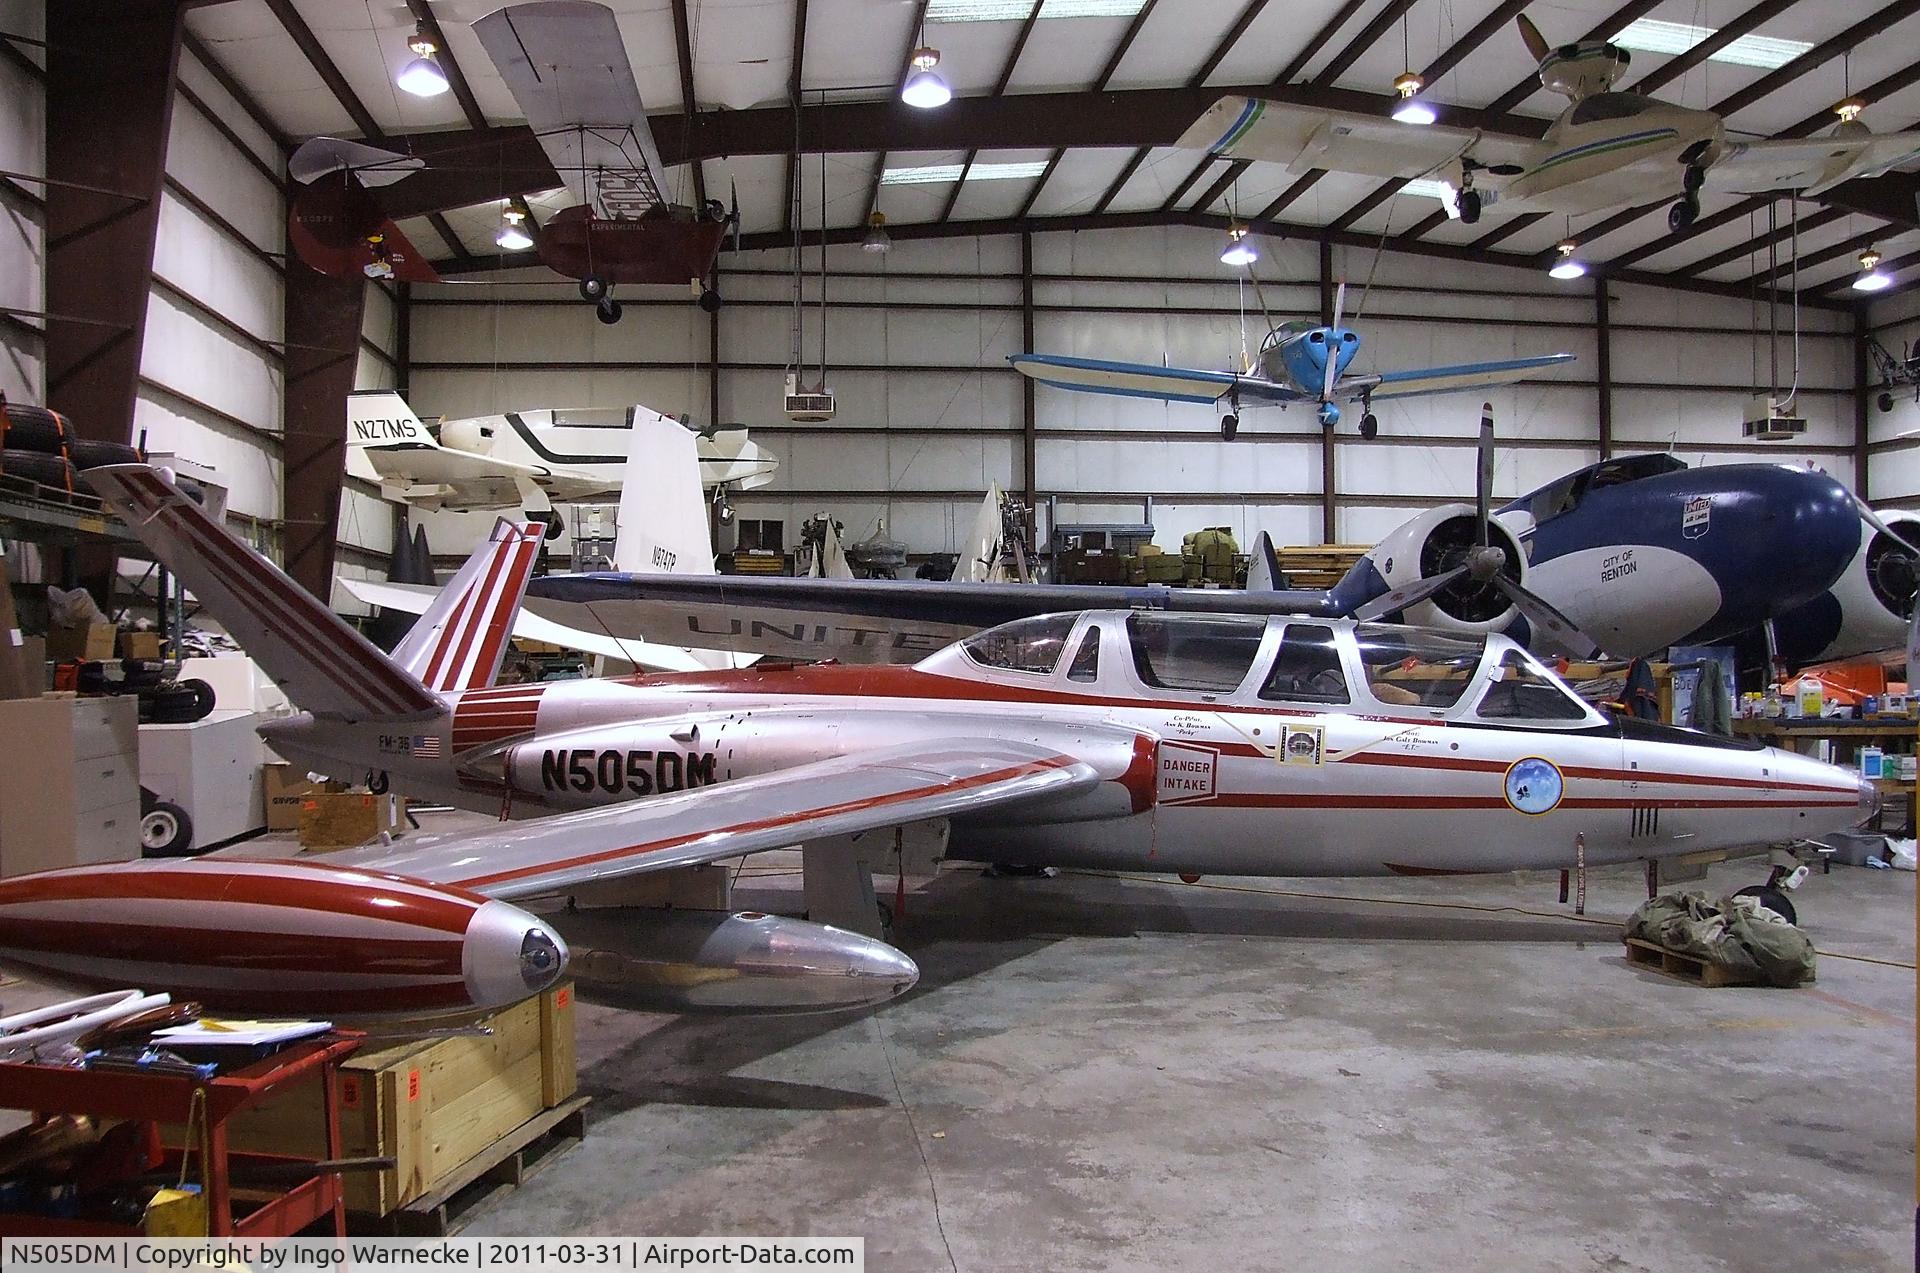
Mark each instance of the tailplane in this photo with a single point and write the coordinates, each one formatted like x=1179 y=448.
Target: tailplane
x=1263 y=572
x=461 y=638
x=663 y=513
x=321 y=663
x=381 y=420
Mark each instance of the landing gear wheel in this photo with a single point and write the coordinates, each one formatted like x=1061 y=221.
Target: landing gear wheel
x=1884 y=402
x=1369 y=426
x=1773 y=899
x=607 y=311
x=1681 y=214
x=1229 y=426
x=378 y=782
x=165 y=831
x=1469 y=207
x=710 y=301
x=1692 y=177
x=592 y=287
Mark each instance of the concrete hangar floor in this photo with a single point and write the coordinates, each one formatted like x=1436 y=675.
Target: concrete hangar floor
x=1268 y=1074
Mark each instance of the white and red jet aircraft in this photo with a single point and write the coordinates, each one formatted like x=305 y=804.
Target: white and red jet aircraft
x=1139 y=741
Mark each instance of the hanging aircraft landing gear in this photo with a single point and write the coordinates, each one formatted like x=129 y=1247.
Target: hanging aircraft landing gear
x=593 y=288
x=1692 y=177
x=607 y=311
x=1369 y=426
x=1885 y=402
x=710 y=300
x=1682 y=214
x=1229 y=426
x=1469 y=206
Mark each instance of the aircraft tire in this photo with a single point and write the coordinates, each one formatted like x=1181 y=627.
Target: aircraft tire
x=1229 y=427
x=1369 y=426
x=1773 y=899
x=1682 y=213
x=165 y=831
x=607 y=311
x=1885 y=402
x=710 y=300
x=1469 y=207
x=379 y=782
x=592 y=288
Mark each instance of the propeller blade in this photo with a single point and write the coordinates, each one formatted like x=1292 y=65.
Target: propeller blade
x=1333 y=345
x=1339 y=302
x=1870 y=517
x=734 y=214
x=1913 y=647
x=1411 y=595
x=1531 y=37
x=1547 y=621
x=1483 y=474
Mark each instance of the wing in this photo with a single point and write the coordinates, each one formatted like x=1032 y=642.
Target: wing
x=1411 y=384
x=840 y=796
x=566 y=65
x=1144 y=380
x=414 y=598
x=1812 y=165
x=1303 y=137
x=373 y=166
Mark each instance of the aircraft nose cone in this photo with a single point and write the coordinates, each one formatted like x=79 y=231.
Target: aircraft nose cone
x=1868 y=800
x=1785 y=535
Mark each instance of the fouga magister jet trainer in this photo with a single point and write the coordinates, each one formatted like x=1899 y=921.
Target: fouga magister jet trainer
x=1131 y=741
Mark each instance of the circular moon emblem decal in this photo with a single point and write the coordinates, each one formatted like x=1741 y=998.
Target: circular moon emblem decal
x=1534 y=785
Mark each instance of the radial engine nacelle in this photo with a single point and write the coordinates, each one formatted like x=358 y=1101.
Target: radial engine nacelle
x=1433 y=543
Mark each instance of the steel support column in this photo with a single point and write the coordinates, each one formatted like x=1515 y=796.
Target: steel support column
x=1329 y=521
x=109 y=103
x=1028 y=422
x=1603 y=359
x=403 y=338
x=322 y=331
x=1862 y=395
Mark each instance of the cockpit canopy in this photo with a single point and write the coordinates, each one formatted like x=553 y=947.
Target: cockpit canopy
x=1255 y=661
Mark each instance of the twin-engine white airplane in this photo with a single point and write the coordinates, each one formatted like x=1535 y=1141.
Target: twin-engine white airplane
x=1606 y=150
x=527 y=460
x=1300 y=362
x=1127 y=741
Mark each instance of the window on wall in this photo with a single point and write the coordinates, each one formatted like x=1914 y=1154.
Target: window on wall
x=762 y=533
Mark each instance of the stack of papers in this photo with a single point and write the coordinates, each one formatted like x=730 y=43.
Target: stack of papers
x=213 y=1032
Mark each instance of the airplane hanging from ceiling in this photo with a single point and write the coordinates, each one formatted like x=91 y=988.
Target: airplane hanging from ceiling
x=334 y=220
x=1606 y=150
x=1300 y=362
x=566 y=65
x=1631 y=555
x=1111 y=739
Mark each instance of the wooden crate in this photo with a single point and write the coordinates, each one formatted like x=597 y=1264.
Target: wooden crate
x=1318 y=566
x=432 y=1106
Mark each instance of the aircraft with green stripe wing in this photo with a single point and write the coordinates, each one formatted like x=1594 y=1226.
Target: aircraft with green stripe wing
x=1606 y=150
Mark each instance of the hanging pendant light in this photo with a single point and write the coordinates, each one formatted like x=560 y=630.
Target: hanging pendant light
x=925 y=88
x=1567 y=265
x=877 y=239
x=1411 y=109
x=422 y=77
x=513 y=236
x=1872 y=278
x=1240 y=249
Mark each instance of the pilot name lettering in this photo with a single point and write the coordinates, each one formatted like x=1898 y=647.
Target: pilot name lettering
x=633 y=772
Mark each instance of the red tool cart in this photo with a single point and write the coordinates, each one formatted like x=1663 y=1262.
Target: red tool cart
x=155 y=1099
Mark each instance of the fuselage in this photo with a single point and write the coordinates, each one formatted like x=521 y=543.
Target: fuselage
x=1227 y=744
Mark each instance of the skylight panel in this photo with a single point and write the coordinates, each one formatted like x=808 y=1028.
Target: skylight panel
x=935 y=174
x=1654 y=36
x=1019 y=10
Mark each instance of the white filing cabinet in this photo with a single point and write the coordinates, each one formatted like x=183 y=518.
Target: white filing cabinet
x=70 y=788
x=211 y=768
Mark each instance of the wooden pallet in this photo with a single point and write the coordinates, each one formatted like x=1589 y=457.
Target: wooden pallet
x=1318 y=566
x=506 y=1163
x=1688 y=967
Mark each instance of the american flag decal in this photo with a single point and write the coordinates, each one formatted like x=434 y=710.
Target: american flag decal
x=426 y=747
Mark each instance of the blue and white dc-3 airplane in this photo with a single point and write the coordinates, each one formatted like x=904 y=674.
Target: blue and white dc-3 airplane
x=1300 y=361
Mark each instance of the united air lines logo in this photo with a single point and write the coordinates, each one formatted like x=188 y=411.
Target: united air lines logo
x=1696 y=516
x=1186 y=772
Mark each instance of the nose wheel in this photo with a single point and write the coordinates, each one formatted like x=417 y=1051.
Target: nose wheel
x=1683 y=213
x=1469 y=206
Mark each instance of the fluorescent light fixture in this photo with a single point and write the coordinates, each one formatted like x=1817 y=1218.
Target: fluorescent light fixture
x=1240 y=249
x=1871 y=279
x=1427 y=188
x=937 y=174
x=422 y=77
x=1654 y=36
x=1020 y=10
x=925 y=88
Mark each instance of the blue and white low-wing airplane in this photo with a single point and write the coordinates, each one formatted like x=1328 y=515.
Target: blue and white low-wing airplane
x=1300 y=361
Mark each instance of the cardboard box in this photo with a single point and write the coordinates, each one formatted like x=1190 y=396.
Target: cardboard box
x=432 y=1106
x=91 y=642
x=344 y=819
x=284 y=788
x=139 y=645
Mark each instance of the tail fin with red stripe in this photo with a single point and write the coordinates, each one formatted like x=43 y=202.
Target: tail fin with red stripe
x=461 y=638
x=323 y=665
